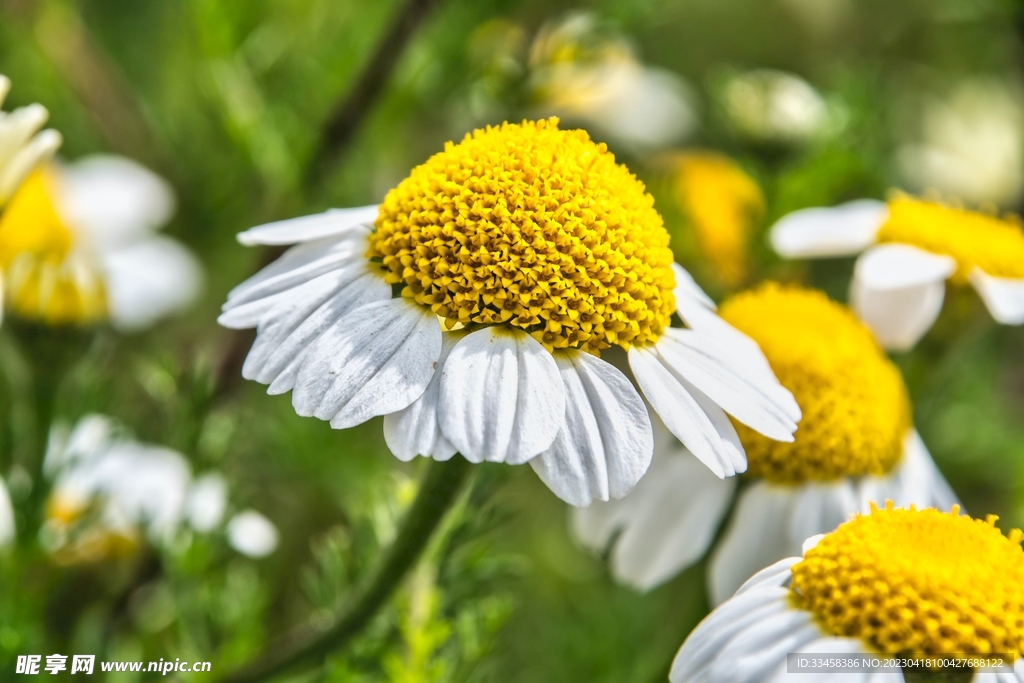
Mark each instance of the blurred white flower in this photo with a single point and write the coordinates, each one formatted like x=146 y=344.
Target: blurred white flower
x=206 y=502
x=79 y=244
x=972 y=145
x=108 y=486
x=581 y=75
x=22 y=146
x=252 y=534
x=766 y=105
x=7 y=529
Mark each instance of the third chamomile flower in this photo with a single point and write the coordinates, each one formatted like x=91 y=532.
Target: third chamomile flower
x=471 y=306
x=855 y=445
x=911 y=247
x=892 y=582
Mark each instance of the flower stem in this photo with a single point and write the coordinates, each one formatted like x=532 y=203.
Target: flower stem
x=313 y=641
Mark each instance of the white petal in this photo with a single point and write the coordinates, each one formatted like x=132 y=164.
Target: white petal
x=501 y=397
x=113 y=200
x=703 y=429
x=754 y=400
x=841 y=231
x=897 y=290
x=287 y=332
x=1004 y=297
x=206 y=502
x=777 y=574
x=687 y=290
x=914 y=481
x=759 y=652
x=332 y=223
x=7 y=530
x=149 y=280
x=252 y=534
x=675 y=511
x=606 y=443
x=376 y=360
x=754 y=539
x=824 y=646
x=819 y=507
x=415 y=430
x=705 y=643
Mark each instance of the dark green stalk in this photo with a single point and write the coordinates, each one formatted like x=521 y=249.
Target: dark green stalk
x=313 y=641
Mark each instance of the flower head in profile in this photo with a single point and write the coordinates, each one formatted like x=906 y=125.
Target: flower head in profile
x=855 y=445
x=111 y=492
x=722 y=203
x=472 y=306
x=78 y=246
x=894 y=581
x=909 y=247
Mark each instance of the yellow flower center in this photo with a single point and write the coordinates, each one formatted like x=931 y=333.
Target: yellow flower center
x=917 y=581
x=972 y=239
x=534 y=227
x=722 y=203
x=856 y=411
x=46 y=279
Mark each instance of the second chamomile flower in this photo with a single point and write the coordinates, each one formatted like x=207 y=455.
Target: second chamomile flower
x=471 y=306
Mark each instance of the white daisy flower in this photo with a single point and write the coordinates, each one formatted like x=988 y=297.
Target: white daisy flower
x=910 y=248
x=22 y=145
x=855 y=445
x=79 y=245
x=108 y=489
x=895 y=581
x=252 y=534
x=470 y=308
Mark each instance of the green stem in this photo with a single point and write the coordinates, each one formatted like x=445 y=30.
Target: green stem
x=313 y=641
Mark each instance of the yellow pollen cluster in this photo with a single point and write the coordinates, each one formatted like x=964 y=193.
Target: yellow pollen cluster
x=534 y=227
x=972 y=239
x=917 y=581
x=43 y=279
x=856 y=411
x=722 y=203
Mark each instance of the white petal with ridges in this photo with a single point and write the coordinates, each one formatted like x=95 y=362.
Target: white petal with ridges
x=606 y=443
x=758 y=653
x=376 y=360
x=333 y=223
x=843 y=230
x=415 y=430
x=687 y=290
x=501 y=397
x=914 y=481
x=1003 y=297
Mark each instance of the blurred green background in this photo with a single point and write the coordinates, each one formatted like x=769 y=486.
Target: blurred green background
x=228 y=99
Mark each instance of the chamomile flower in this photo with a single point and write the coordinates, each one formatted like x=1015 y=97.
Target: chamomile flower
x=78 y=246
x=911 y=247
x=471 y=306
x=895 y=581
x=855 y=445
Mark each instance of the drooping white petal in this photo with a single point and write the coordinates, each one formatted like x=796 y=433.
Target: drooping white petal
x=7 y=530
x=897 y=290
x=376 y=360
x=840 y=231
x=777 y=574
x=332 y=223
x=708 y=435
x=705 y=643
x=606 y=443
x=758 y=653
x=148 y=280
x=113 y=200
x=755 y=400
x=14 y=170
x=671 y=522
x=502 y=398
x=1003 y=297
x=914 y=481
x=688 y=291
x=756 y=537
x=827 y=645
x=415 y=430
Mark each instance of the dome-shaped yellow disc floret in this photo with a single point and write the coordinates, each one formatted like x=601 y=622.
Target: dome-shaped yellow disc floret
x=917 y=581
x=535 y=227
x=856 y=411
x=972 y=239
